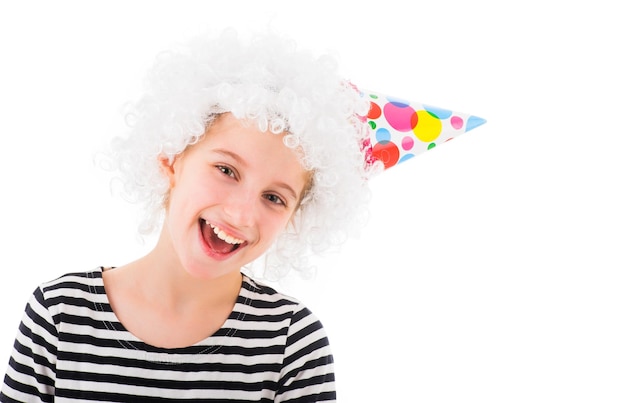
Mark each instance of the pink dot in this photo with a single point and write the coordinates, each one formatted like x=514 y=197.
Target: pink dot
x=401 y=118
x=407 y=143
x=456 y=122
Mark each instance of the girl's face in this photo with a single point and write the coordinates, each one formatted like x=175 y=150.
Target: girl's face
x=231 y=195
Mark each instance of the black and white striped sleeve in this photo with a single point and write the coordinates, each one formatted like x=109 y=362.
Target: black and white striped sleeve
x=31 y=372
x=308 y=369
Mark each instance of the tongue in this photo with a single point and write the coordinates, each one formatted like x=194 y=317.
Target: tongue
x=214 y=242
x=220 y=246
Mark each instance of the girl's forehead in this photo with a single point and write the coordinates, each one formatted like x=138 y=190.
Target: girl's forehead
x=244 y=134
x=243 y=142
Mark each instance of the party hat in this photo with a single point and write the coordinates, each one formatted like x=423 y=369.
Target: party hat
x=401 y=130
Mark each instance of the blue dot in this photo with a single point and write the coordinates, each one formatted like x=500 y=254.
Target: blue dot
x=438 y=112
x=383 y=135
x=473 y=122
x=400 y=103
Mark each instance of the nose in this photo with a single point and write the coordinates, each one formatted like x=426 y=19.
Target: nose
x=239 y=208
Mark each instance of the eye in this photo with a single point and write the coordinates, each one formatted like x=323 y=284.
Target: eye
x=274 y=199
x=226 y=170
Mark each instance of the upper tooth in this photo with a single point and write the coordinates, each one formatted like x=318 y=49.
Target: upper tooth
x=224 y=236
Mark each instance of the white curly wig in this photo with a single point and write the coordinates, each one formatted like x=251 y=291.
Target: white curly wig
x=266 y=80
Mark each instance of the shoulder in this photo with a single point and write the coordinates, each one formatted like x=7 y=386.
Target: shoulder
x=73 y=279
x=71 y=289
x=51 y=299
x=265 y=297
x=268 y=301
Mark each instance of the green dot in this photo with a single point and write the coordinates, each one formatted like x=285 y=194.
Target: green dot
x=372 y=124
x=431 y=145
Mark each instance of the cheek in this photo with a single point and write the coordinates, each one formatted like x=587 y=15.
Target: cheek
x=184 y=203
x=277 y=226
x=193 y=188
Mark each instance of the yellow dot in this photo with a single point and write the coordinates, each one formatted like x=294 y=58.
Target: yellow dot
x=428 y=127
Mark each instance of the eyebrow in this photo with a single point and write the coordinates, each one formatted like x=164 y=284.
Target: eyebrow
x=230 y=154
x=241 y=161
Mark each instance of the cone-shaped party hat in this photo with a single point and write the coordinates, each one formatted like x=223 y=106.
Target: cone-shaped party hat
x=400 y=130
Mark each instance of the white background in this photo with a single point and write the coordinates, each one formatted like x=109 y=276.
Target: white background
x=492 y=268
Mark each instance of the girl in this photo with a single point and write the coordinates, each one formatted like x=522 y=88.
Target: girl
x=243 y=154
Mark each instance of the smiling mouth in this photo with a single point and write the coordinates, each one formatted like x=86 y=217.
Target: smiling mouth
x=218 y=240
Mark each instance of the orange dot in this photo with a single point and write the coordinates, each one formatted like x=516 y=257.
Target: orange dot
x=386 y=152
x=374 y=112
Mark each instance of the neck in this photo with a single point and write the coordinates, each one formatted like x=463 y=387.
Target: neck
x=161 y=278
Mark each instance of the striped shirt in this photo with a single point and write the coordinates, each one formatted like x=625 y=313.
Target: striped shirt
x=71 y=347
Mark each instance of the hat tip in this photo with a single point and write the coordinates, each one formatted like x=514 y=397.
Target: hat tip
x=473 y=122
